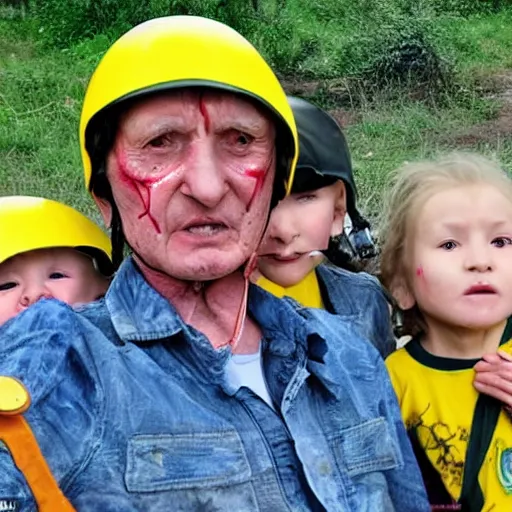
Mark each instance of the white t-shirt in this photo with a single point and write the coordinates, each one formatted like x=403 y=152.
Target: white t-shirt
x=245 y=370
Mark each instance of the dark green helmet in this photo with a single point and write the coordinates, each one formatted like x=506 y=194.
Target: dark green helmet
x=324 y=156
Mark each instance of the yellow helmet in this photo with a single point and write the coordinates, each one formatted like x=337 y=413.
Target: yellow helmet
x=30 y=223
x=184 y=51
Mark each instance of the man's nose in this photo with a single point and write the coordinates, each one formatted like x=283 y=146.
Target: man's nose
x=204 y=178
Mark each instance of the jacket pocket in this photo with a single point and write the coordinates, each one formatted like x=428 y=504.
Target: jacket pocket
x=185 y=461
x=366 y=448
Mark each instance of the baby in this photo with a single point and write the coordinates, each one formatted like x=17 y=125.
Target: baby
x=49 y=250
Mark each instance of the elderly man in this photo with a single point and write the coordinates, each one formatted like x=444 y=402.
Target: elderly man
x=186 y=388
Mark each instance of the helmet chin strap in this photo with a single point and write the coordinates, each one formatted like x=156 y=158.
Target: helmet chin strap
x=242 y=310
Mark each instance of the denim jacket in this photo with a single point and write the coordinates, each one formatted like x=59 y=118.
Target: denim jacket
x=133 y=412
x=360 y=300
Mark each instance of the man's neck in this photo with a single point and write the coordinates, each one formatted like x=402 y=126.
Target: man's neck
x=211 y=307
x=461 y=342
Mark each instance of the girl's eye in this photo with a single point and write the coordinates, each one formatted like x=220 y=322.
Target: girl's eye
x=57 y=275
x=449 y=245
x=7 y=286
x=502 y=241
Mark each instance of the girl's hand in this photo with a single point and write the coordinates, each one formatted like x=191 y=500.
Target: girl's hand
x=493 y=376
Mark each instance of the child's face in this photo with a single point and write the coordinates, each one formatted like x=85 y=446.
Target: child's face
x=460 y=258
x=299 y=224
x=61 y=273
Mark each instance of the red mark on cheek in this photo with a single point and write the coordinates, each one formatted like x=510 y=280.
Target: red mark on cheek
x=143 y=187
x=204 y=113
x=419 y=272
x=259 y=176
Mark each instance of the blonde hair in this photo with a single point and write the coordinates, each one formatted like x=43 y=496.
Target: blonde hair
x=412 y=186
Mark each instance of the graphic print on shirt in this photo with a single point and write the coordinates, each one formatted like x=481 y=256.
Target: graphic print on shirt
x=504 y=465
x=440 y=451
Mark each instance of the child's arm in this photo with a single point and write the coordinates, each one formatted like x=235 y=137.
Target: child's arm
x=493 y=376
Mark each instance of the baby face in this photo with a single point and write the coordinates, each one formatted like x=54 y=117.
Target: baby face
x=61 y=273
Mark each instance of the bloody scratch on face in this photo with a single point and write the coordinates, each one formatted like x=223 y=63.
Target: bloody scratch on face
x=204 y=113
x=139 y=185
x=419 y=271
x=259 y=176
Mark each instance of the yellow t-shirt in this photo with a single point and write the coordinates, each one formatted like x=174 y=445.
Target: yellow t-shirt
x=307 y=292
x=437 y=400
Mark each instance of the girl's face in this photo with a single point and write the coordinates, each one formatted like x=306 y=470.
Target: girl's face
x=299 y=224
x=459 y=268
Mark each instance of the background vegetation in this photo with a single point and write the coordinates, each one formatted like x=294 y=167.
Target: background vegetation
x=406 y=78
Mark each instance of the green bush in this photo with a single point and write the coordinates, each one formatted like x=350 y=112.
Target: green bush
x=64 y=23
x=405 y=52
x=467 y=7
x=379 y=43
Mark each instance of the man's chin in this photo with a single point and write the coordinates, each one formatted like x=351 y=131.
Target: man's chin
x=207 y=269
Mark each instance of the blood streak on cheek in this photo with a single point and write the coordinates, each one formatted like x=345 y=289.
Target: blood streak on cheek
x=259 y=176
x=143 y=187
x=419 y=272
x=204 y=113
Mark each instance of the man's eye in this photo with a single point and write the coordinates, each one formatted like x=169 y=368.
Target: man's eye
x=8 y=286
x=57 y=275
x=240 y=139
x=243 y=139
x=157 y=143
x=449 y=245
x=502 y=241
x=165 y=140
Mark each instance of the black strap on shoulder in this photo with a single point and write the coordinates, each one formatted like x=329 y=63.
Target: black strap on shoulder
x=485 y=418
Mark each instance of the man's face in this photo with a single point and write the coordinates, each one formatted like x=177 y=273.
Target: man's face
x=191 y=175
x=59 y=273
x=460 y=270
x=299 y=224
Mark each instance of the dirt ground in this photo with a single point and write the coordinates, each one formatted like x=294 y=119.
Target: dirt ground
x=498 y=87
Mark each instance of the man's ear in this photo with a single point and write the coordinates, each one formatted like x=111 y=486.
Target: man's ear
x=105 y=209
x=340 y=209
x=402 y=293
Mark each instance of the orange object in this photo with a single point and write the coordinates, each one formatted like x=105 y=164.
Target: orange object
x=16 y=433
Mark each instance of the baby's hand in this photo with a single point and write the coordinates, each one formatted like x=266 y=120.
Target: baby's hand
x=494 y=377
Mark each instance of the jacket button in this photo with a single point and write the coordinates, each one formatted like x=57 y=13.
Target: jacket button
x=14 y=397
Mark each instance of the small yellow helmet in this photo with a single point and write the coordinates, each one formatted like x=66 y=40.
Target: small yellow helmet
x=184 y=51
x=30 y=223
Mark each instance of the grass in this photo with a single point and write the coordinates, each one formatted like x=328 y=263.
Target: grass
x=40 y=98
x=41 y=91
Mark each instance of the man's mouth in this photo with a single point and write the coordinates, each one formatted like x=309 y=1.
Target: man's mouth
x=206 y=228
x=480 y=289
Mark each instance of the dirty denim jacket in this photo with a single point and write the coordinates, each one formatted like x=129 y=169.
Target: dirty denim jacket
x=360 y=300
x=132 y=411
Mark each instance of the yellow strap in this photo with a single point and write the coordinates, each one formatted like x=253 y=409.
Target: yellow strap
x=16 y=433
